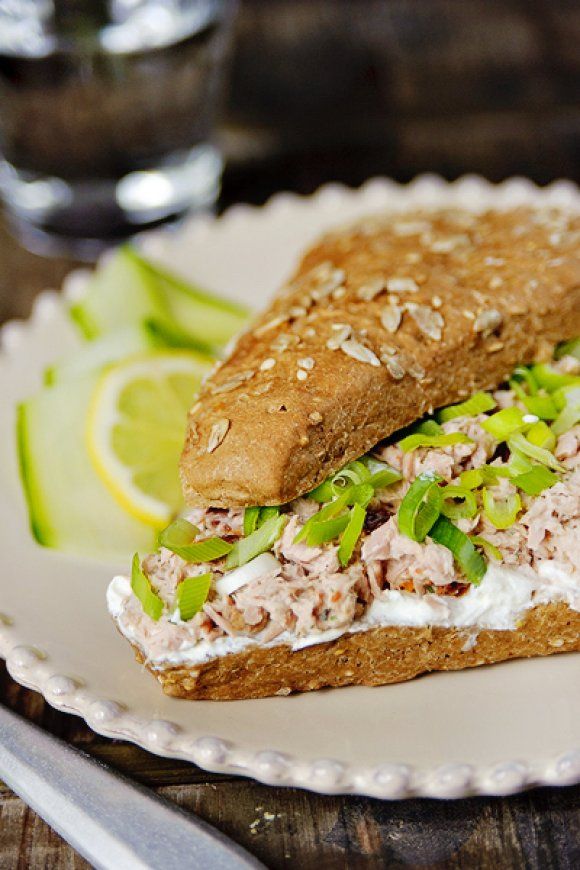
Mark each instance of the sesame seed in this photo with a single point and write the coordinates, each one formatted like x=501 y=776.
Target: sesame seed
x=315 y=417
x=339 y=293
x=416 y=370
x=445 y=246
x=394 y=367
x=495 y=282
x=342 y=332
x=402 y=285
x=429 y=322
x=301 y=375
x=297 y=311
x=309 y=332
x=494 y=346
x=358 y=351
x=371 y=289
x=268 y=364
x=391 y=317
x=218 y=432
x=271 y=324
x=262 y=388
x=487 y=321
x=282 y=342
x=436 y=301
x=306 y=363
x=231 y=383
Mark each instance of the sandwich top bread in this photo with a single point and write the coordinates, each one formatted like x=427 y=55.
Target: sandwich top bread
x=383 y=322
x=326 y=544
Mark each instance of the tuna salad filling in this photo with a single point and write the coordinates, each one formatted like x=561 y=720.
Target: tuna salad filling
x=467 y=518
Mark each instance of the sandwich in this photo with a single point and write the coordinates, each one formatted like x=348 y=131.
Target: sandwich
x=383 y=476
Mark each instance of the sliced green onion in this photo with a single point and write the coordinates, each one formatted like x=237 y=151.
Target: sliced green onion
x=382 y=479
x=373 y=464
x=570 y=413
x=326 y=530
x=254 y=517
x=151 y=603
x=207 y=550
x=504 y=423
x=540 y=454
x=351 y=534
x=526 y=375
x=491 y=473
x=260 y=541
x=328 y=512
x=179 y=538
x=191 y=595
x=412 y=442
x=470 y=562
x=449 y=502
x=518 y=464
x=382 y=475
x=550 y=379
x=541 y=405
x=541 y=435
x=566 y=420
x=420 y=507
x=488 y=548
x=562 y=396
x=501 y=512
x=322 y=493
x=266 y=513
x=568 y=348
x=179 y=533
x=427 y=427
x=477 y=404
x=536 y=480
x=251 y=515
x=352 y=473
x=471 y=479
x=361 y=494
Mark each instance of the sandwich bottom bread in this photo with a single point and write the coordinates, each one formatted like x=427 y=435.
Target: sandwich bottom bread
x=451 y=544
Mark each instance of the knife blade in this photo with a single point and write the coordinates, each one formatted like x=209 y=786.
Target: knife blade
x=112 y=822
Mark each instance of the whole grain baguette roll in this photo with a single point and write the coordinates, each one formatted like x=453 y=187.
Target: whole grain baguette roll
x=371 y=658
x=382 y=322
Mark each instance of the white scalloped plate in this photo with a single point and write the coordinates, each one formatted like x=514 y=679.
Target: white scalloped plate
x=486 y=731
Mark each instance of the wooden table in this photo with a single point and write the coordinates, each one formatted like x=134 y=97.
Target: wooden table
x=283 y=827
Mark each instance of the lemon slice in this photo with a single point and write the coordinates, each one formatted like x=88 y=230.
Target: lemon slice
x=136 y=426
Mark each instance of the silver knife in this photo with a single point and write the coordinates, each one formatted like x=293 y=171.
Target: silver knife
x=110 y=821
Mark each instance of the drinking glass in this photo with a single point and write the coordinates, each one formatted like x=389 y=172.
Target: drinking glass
x=108 y=111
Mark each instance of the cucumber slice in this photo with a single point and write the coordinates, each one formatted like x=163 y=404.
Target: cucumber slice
x=111 y=347
x=70 y=508
x=210 y=318
x=129 y=290
x=120 y=293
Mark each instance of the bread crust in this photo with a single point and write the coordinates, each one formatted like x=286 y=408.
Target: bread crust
x=372 y=658
x=264 y=434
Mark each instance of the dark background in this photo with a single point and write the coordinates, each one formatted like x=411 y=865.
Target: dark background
x=327 y=90
x=344 y=89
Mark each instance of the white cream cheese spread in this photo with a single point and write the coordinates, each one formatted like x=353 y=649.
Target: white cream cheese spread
x=499 y=602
